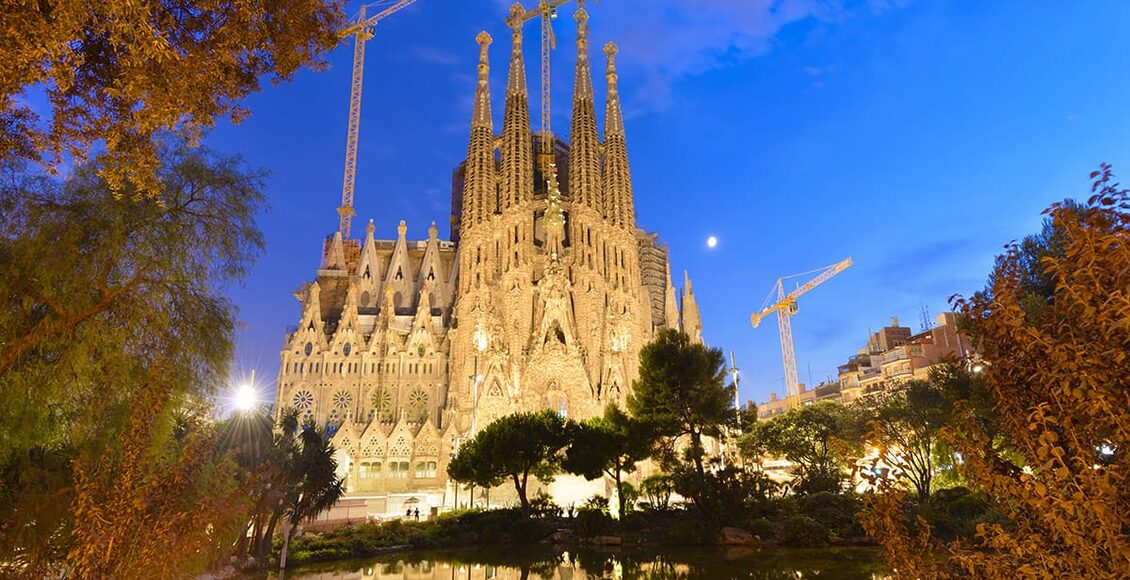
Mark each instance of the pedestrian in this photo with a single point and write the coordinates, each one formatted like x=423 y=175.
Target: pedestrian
x=417 y=514
x=408 y=514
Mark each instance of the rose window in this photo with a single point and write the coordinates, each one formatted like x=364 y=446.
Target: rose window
x=418 y=400
x=303 y=399
x=342 y=400
x=382 y=403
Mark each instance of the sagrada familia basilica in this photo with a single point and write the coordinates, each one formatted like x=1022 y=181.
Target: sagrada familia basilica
x=541 y=300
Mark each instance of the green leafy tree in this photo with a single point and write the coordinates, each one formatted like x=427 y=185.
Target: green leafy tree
x=116 y=73
x=608 y=445
x=906 y=423
x=113 y=308
x=818 y=438
x=682 y=392
x=513 y=447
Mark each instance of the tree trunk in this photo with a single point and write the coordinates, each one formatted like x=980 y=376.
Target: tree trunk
x=288 y=531
x=619 y=492
x=263 y=550
x=520 y=487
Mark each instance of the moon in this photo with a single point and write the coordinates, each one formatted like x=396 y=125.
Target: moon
x=711 y=242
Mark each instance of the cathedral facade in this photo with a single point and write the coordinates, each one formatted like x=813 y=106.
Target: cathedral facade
x=542 y=300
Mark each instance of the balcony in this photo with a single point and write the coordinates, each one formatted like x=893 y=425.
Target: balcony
x=895 y=355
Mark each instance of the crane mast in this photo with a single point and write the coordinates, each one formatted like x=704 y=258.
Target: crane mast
x=547 y=10
x=362 y=31
x=785 y=307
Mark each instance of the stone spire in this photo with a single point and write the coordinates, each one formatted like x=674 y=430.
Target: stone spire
x=479 y=182
x=584 y=153
x=617 y=177
x=692 y=323
x=517 y=147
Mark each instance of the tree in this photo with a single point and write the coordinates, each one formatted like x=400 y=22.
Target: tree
x=1057 y=376
x=137 y=514
x=513 y=447
x=906 y=423
x=312 y=486
x=609 y=445
x=817 y=438
x=116 y=73
x=112 y=308
x=681 y=391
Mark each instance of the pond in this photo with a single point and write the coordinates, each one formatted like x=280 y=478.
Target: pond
x=547 y=562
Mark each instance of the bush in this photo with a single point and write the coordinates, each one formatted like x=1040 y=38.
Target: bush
x=955 y=512
x=835 y=511
x=801 y=532
x=593 y=522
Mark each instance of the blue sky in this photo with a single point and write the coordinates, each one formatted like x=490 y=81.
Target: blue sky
x=916 y=136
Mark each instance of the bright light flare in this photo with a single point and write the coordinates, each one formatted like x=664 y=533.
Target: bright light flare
x=711 y=242
x=246 y=398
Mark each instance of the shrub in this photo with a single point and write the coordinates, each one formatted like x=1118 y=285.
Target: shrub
x=835 y=511
x=802 y=532
x=593 y=522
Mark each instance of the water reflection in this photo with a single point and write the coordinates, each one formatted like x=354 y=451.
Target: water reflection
x=545 y=562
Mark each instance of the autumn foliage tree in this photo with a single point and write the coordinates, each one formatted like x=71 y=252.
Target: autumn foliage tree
x=1058 y=374
x=116 y=72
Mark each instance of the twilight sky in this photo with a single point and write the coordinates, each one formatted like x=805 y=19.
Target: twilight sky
x=916 y=136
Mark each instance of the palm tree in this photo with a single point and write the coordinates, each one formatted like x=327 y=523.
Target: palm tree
x=314 y=487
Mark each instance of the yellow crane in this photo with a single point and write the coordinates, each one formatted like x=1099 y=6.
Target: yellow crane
x=361 y=30
x=786 y=307
x=547 y=10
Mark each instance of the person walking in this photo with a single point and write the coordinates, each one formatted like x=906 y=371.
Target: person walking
x=417 y=514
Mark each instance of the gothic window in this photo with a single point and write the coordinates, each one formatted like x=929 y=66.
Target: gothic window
x=431 y=274
x=366 y=275
x=399 y=273
x=420 y=350
x=335 y=418
x=495 y=389
x=342 y=400
x=345 y=350
x=309 y=348
x=303 y=400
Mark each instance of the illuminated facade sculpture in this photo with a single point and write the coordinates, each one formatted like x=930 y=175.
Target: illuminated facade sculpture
x=543 y=301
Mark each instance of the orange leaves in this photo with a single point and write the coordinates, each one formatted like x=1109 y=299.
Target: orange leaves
x=116 y=72
x=1055 y=323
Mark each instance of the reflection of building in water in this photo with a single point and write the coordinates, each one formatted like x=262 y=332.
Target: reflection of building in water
x=541 y=301
x=565 y=568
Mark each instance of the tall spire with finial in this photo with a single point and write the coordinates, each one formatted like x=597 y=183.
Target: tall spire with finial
x=479 y=182
x=584 y=152
x=617 y=177
x=517 y=148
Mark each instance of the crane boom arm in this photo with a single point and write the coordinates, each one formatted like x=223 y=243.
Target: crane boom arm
x=364 y=23
x=822 y=278
x=361 y=33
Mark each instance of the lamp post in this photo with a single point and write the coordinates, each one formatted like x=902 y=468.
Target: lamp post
x=245 y=395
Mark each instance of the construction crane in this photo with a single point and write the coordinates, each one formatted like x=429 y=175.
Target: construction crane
x=786 y=307
x=361 y=31
x=547 y=10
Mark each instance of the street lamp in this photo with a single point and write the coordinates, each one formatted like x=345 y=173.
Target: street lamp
x=246 y=397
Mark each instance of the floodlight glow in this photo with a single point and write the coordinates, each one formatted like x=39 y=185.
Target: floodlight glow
x=246 y=398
